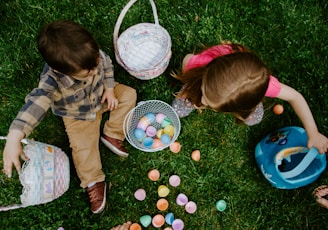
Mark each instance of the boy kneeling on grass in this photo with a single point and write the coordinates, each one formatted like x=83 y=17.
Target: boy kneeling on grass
x=77 y=82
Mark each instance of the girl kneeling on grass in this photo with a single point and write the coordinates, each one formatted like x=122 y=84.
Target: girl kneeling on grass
x=228 y=78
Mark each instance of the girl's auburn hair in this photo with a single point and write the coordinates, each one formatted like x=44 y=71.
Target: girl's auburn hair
x=233 y=83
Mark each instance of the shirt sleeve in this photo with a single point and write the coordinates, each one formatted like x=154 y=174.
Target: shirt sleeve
x=274 y=87
x=109 y=81
x=207 y=56
x=36 y=106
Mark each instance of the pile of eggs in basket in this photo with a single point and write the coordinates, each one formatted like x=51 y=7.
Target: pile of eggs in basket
x=154 y=130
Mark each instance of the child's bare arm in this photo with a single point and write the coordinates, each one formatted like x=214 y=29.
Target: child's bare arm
x=301 y=108
x=12 y=151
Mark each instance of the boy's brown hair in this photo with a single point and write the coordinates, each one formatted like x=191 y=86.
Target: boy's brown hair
x=68 y=47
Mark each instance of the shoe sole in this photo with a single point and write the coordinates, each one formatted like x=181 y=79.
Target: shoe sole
x=103 y=204
x=113 y=148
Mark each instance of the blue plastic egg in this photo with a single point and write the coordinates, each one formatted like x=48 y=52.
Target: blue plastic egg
x=139 y=134
x=148 y=142
x=151 y=117
x=165 y=139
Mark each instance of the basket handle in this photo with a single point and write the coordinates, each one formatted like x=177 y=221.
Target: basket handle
x=122 y=14
x=304 y=164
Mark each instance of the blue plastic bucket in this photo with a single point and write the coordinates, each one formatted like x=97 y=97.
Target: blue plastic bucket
x=285 y=161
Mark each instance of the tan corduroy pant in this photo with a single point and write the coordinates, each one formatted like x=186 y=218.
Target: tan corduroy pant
x=84 y=136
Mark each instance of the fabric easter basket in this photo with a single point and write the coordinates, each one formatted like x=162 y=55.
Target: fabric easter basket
x=286 y=162
x=44 y=177
x=144 y=50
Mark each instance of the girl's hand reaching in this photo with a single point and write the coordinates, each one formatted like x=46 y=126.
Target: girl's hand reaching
x=319 y=141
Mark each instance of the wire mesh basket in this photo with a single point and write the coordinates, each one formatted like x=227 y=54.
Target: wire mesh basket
x=140 y=118
x=144 y=50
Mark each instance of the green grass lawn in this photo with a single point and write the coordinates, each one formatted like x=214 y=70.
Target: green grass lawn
x=291 y=38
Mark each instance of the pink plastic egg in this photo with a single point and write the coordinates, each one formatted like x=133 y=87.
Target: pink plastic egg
x=174 y=180
x=154 y=174
x=158 y=221
x=195 y=155
x=140 y=194
x=175 y=147
x=191 y=207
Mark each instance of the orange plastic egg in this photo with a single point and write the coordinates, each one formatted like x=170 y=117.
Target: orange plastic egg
x=278 y=109
x=162 y=204
x=135 y=226
x=158 y=221
x=195 y=155
x=175 y=147
x=154 y=174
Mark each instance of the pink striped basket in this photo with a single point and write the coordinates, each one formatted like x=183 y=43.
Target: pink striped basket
x=144 y=50
x=44 y=177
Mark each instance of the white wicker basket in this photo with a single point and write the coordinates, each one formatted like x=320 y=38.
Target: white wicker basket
x=44 y=177
x=145 y=107
x=144 y=50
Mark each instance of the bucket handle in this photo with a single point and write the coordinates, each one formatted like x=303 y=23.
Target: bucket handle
x=303 y=165
x=121 y=16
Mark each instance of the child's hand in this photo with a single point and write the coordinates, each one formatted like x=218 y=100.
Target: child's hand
x=109 y=96
x=125 y=226
x=318 y=141
x=12 y=151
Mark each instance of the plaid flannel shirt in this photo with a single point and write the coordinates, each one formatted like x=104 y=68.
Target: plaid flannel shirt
x=66 y=96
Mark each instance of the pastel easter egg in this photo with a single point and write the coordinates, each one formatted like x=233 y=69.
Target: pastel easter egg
x=158 y=221
x=154 y=174
x=139 y=134
x=151 y=117
x=140 y=194
x=159 y=133
x=169 y=130
x=157 y=143
x=195 y=155
x=169 y=218
x=174 y=180
x=221 y=205
x=163 y=191
x=165 y=139
x=148 y=142
x=143 y=123
x=168 y=228
x=278 y=109
x=151 y=131
x=160 y=117
x=177 y=224
x=175 y=147
x=162 y=204
x=166 y=121
x=145 y=220
x=135 y=226
x=182 y=199
x=191 y=207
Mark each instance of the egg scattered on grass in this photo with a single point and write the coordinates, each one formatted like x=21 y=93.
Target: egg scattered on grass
x=278 y=109
x=175 y=147
x=154 y=174
x=195 y=155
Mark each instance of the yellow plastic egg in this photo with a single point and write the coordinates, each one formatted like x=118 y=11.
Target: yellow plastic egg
x=169 y=130
x=163 y=191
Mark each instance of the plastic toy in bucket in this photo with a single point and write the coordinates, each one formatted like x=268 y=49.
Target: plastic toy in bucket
x=151 y=126
x=285 y=161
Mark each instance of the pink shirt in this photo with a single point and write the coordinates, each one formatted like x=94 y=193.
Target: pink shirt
x=208 y=55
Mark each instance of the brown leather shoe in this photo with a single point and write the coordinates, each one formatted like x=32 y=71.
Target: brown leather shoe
x=115 y=145
x=97 y=197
